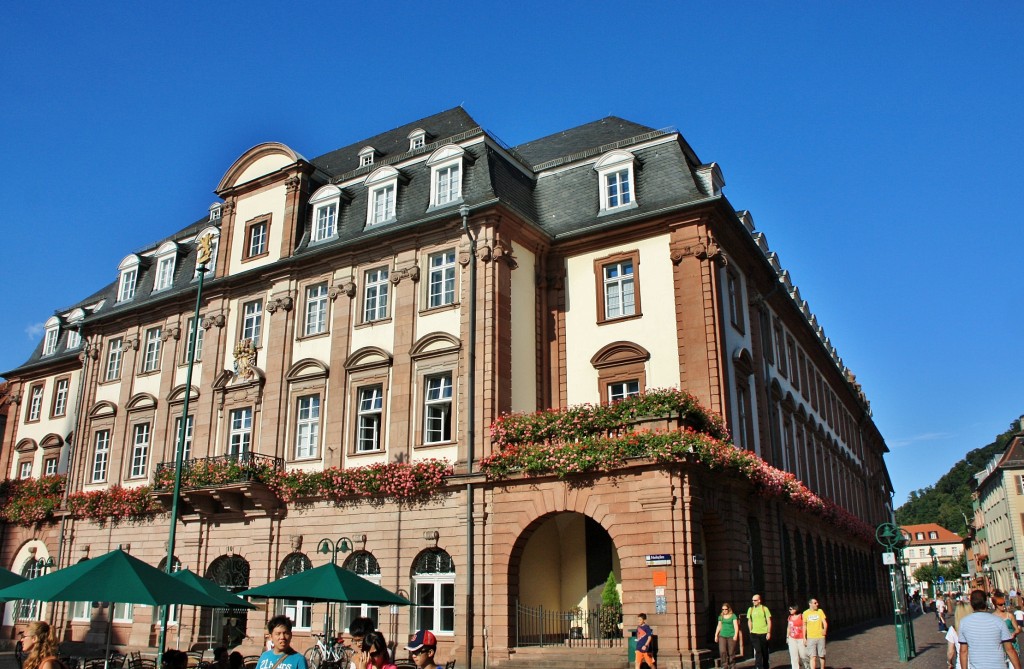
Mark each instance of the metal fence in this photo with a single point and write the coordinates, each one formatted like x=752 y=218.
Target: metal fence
x=580 y=628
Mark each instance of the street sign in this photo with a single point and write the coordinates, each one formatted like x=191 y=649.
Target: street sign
x=658 y=559
x=888 y=558
x=942 y=579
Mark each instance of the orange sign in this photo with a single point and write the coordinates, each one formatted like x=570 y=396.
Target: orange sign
x=659 y=578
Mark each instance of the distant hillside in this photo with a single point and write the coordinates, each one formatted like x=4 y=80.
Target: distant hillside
x=949 y=499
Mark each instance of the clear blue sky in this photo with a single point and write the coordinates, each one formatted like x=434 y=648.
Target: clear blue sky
x=878 y=145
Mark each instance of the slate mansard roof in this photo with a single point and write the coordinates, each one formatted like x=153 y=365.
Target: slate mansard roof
x=549 y=182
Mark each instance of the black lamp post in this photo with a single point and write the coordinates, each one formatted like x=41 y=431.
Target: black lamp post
x=335 y=546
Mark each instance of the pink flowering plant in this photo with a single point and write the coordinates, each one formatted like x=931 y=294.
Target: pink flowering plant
x=391 y=480
x=31 y=501
x=115 y=503
x=208 y=472
x=563 y=444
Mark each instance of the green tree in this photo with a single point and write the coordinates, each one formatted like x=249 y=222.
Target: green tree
x=611 y=608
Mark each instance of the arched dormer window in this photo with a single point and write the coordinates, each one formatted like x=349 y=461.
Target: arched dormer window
x=74 y=331
x=616 y=179
x=366 y=156
x=381 y=196
x=166 y=258
x=214 y=232
x=129 y=269
x=417 y=139
x=446 y=167
x=326 y=204
x=52 y=336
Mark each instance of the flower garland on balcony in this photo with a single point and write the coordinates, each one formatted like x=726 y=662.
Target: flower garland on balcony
x=595 y=438
x=394 y=480
x=33 y=501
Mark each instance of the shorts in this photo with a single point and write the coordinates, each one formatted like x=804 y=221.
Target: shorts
x=816 y=647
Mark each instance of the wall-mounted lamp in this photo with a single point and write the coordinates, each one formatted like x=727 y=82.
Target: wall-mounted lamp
x=432 y=536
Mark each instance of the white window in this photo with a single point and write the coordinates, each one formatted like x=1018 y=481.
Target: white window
x=919 y=536
x=933 y=535
x=417 y=139
x=114 y=353
x=35 y=405
x=126 y=288
x=81 y=610
x=60 y=398
x=383 y=204
x=74 y=339
x=618 y=289
x=434 y=592
x=446 y=175
x=300 y=611
x=366 y=156
x=252 y=319
x=441 y=282
x=326 y=203
x=100 y=456
x=371 y=406
x=316 y=309
x=186 y=453
x=375 y=302
x=240 y=437
x=49 y=466
x=437 y=409
x=140 y=450
x=123 y=612
x=382 y=190
x=151 y=357
x=25 y=470
x=623 y=389
x=164 y=273
x=28 y=609
x=615 y=175
x=52 y=335
x=199 y=339
x=257 y=243
x=307 y=428
x=364 y=565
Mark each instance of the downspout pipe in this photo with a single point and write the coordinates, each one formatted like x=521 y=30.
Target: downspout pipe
x=470 y=427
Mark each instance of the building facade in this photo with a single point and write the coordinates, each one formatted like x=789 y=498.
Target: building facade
x=382 y=306
x=999 y=517
x=928 y=541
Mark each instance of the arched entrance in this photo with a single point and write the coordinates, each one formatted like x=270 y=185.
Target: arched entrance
x=557 y=573
x=228 y=627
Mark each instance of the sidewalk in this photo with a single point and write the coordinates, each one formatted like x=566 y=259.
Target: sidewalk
x=873 y=646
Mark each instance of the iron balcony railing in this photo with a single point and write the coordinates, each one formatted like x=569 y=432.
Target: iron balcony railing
x=219 y=470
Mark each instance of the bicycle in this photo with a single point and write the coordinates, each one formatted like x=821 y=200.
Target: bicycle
x=331 y=651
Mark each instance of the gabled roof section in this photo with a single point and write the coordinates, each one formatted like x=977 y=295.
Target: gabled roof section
x=608 y=130
x=394 y=142
x=944 y=535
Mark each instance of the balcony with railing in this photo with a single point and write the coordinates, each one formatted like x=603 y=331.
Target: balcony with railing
x=237 y=485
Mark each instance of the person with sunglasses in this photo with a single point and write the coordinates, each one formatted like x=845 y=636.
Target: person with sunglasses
x=423 y=648
x=727 y=634
x=374 y=653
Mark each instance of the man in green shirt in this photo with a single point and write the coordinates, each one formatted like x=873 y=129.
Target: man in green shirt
x=759 y=622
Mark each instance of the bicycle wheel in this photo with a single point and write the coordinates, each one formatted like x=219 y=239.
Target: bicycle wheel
x=314 y=657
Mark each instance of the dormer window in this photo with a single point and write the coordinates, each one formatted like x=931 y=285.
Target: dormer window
x=215 y=212
x=382 y=193
x=74 y=334
x=52 y=335
x=129 y=278
x=366 y=156
x=446 y=176
x=166 y=257
x=417 y=139
x=616 y=181
x=326 y=203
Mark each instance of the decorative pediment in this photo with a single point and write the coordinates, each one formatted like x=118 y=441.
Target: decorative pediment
x=743 y=360
x=103 y=409
x=381 y=175
x=141 y=402
x=435 y=343
x=620 y=353
x=26 y=446
x=368 y=357
x=307 y=368
x=51 y=442
x=261 y=160
x=177 y=394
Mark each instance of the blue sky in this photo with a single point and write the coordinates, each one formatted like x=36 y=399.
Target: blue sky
x=876 y=144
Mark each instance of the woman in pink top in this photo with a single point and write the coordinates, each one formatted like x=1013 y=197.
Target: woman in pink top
x=795 y=638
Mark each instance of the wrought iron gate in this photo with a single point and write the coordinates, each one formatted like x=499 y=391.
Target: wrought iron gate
x=595 y=628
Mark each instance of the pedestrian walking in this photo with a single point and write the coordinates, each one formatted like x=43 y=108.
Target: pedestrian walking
x=795 y=639
x=960 y=611
x=815 y=631
x=940 y=613
x=759 y=622
x=728 y=637
x=984 y=638
x=644 y=643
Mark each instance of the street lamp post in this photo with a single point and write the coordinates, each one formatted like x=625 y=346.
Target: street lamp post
x=335 y=546
x=935 y=573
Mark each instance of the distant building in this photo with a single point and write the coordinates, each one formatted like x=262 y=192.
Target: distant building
x=999 y=516
x=925 y=540
x=335 y=335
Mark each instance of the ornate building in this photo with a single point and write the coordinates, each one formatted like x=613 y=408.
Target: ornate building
x=370 y=313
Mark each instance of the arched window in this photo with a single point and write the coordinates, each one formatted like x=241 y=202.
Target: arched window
x=433 y=580
x=298 y=610
x=172 y=614
x=28 y=609
x=365 y=565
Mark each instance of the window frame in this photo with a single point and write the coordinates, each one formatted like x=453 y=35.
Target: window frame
x=321 y=302
x=377 y=290
x=446 y=161
x=244 y=434
x=111 y=351
x=601 y=283
x=734 y=297
x=138 y=465
x=187 y=335
x=25 y=469
x=256 y=225
x=61 y=395
x=151 y=350
x=51 y=339
x=34 y=409
x=442 y=269
x=374 y=215
x=164 y=277
x=253 y=331
x=307 y=424
x=190 y=430
x=99 y=462
x=374 y=413
x=620 y=165
x=49 y=470
x=437 y=582
x=429 y=406
x=128 y=284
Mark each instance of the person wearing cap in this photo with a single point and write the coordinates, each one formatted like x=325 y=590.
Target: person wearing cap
x=423 y=648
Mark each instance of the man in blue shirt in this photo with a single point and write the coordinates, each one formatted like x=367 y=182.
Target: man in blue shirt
x=281 y=655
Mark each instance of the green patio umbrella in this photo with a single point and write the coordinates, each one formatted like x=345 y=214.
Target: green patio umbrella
x=327 y=583
x=9 y=578
x=229 y=600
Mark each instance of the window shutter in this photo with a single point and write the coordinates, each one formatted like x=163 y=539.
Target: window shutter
x=1020 y=485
